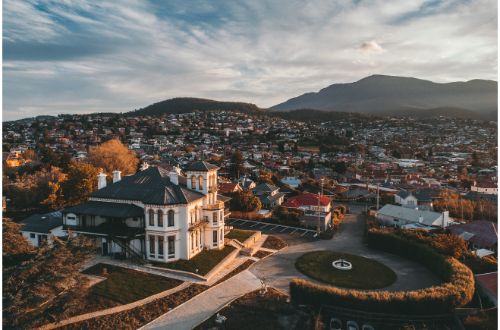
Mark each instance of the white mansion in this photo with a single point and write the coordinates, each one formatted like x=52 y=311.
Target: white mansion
x=154 y=214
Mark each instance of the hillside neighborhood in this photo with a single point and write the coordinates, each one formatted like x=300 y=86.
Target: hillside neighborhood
x=213 y=200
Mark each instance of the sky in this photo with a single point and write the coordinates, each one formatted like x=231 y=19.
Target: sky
x=84 y=56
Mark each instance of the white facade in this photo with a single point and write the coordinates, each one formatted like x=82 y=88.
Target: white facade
x=36 y=238
x=171 y=232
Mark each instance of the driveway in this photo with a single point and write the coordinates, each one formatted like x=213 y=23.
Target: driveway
x=278 y=269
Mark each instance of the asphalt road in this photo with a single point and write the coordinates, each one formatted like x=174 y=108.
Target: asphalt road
x=277 y=270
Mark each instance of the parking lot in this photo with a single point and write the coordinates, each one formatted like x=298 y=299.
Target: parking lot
x=271 y=228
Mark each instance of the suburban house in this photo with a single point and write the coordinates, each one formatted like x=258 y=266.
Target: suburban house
x=155 y=214
x=315 y=207
x=269 y=195
x=398 y=216
x=485 y=187
x=229 y=187
x=422 y=199
x=479 y=234
x=38 y=228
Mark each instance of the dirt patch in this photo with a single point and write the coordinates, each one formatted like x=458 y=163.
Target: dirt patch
x=274 y=243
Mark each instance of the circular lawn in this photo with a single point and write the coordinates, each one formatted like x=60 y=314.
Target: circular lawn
x=365 y=273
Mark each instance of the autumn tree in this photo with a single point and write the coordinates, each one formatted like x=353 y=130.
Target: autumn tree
x=47 y=284
x=113 y=155
x=265 y=177
x=81 y=181
x=14 y=245
x=38 y=191
x=245 y=201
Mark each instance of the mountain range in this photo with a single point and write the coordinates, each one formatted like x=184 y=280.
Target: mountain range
x=383 y=95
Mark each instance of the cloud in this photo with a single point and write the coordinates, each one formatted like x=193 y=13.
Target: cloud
x=371 y=47
x=84 y=55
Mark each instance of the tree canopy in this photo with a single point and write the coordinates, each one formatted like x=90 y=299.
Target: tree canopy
x=113 y=155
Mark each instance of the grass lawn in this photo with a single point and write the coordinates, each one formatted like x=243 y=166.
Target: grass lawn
x=365 y=273
x=202 y=263
x=124 y=285
x=240 y=235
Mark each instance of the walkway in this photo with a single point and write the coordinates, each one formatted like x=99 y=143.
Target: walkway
x=206 y=304
x=277 y=270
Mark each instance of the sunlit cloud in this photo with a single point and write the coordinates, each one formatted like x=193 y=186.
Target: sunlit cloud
x=86 y=56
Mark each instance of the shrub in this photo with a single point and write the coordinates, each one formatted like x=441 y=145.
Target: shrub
x=457 y=289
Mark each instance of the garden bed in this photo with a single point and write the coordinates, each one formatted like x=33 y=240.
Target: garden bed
x=261 y=254
x=200 y=264
x=274 y=243
x=254 y=311
x=139 y=316
x=365 y=273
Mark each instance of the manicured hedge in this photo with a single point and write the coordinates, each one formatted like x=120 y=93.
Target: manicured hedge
x=457 y=289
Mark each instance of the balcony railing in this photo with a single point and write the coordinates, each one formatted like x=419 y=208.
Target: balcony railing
x=197 y=224
x=214 y=206
x=116 y=230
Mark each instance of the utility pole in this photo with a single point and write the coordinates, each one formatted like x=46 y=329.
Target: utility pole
x=319 y=207
x=378 y=196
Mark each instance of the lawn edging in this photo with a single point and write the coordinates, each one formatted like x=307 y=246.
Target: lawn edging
x=177 y=272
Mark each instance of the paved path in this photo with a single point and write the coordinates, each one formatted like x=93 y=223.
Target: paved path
x=206 y=304
x=277 y=270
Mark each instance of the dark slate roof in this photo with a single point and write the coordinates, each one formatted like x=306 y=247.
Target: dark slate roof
x=106 y=209
x=475 y=196
x=201 y=166
x=42 y=223
x=265 y=187
x=484 y=232
x=150 y=186
x=403 y=194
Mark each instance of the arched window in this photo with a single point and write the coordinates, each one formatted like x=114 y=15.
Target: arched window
x=200 y=183
x=160 y=218
x=192 y=241
x=193 y=182
x=171 y=222
x=151 y=217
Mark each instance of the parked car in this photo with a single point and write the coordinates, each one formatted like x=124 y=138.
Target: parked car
x=352 y=325
x=335 y=324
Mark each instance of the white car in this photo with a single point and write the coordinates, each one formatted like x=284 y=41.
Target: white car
x=352 y=325
x=335 y=324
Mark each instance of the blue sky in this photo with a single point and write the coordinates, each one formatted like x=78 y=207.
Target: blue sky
x=86 y=56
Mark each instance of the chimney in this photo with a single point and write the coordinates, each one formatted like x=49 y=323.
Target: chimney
x=101 y=180
x=117 y=176
x=174 y=175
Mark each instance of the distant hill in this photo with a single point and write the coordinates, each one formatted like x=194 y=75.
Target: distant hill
x=389 y=95
x=313 y=115
x=189 y=104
